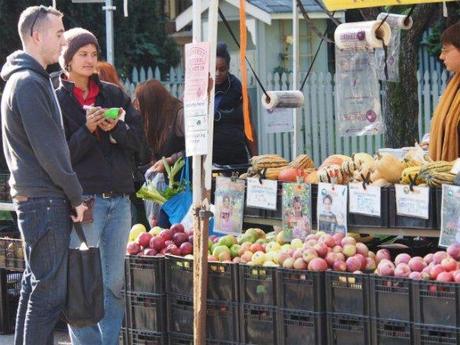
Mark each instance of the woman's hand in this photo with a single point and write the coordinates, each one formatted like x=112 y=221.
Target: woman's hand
x=94 y=117
x=108 y=124
x=159 y=167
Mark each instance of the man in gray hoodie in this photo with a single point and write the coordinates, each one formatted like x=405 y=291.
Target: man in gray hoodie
x=44 y=186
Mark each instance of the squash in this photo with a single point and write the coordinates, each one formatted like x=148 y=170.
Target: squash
x=312 y=177
x=331 y=174
x=388 y=167
x=361 y=158
x=334 y=159
x=291 y=174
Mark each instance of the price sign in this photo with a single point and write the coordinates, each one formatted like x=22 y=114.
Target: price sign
x=365 y=201
x=413 y=203
x=262 y=194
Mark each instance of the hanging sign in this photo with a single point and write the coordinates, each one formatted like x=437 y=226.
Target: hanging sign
x=450 y=215
x=278 y=120
x=196 y=98
x=262 y=193
x=334 y=5
x=413 y=203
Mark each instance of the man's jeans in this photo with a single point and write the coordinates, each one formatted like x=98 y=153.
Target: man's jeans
x=109 y=231
x=45 y=225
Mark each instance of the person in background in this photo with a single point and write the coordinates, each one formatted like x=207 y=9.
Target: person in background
x=163 y=118
x=445 y=126
x=230 y=143
x=101 y=149
x=108 y=73
x=43 y=184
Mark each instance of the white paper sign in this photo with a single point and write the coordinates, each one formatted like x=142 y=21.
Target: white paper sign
x=278 y=120
x=450 y=216
x=262 y=195
x=196 y=98
x=414 y=203
x=365 y=201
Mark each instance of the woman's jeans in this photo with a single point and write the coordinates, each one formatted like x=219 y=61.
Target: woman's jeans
x=109 y=231
x=45 y=225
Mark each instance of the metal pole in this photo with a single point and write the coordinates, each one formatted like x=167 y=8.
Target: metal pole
x=109 y=8
x=295 y=71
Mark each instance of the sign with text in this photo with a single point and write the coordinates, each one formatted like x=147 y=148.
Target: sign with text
x=262 y=194
x=278 y=120
x=334 y=5
x=450 y=216
x=413 y=203
x=332 y=208
x=364 y=201
x=196 y=98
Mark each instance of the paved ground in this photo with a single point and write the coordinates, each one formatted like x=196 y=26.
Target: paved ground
x=60 y=338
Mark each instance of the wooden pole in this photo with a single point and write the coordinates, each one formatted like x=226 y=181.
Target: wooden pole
x=199 y=303
x=295 y=71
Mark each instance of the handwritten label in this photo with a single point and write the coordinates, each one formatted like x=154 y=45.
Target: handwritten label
x=450 y=216
x=196 y=98
x=412 y=203
x=262 y=195
x=332 y=208
x=365 y=201
x=278 y=120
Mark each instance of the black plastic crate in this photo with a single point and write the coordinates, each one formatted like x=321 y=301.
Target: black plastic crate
x=146 y=312
x=136 y=337
x=438 y=198
x=301 y=328
x=390 y=298
x=258 y=324
x=356 y=220
x=184 y=339
x=10 y=293
x=348 y=330
x=123 y=339
x=145 y=274
x=222 y=278
x=436 y=303
x=405 y=222
x=221 y=318
x=257 y=285
x=385 y=332
x=347 y=293
x=432 y=335
x=4 y=187
x=301 y=290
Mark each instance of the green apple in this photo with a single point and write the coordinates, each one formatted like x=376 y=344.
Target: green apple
x=227 y=240
x=155 y=231
x=135 y=231
x=258 y=258
x=234 y=250
x=272 y=247
x=218 y=250
x=297 y=243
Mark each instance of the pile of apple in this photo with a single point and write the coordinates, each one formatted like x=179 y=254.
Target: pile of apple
x=158 y=241
x=443 y=266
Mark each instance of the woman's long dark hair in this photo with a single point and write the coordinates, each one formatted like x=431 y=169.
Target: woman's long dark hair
x=159 y=110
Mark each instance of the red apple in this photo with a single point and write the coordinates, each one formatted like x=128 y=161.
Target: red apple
x=157 y=243
x=415 y=275
x=288 y=263
x=338 y=237
x=353 y=263
x=348 y=240
x=331 y=258
x=449 y=264
x=363 y=260
x=179 y=238
x=445 y=277
x=299 y=264
x=150 y=252
x=349 y=249
x=144 y=239
x=456 y=275
x=402 y=258
x=439 y=256
x=362 y=249
x=370 y=265
x=176 y=228
x=186 y=248
x=428 y=258
x=317 y=265
x=172 y=249
x=308 y=255
x=385 y=268
x=454 y=251
x=436 y=270
x=337 y=249
x=340 y=266
x=166 y=234
x=402 y=270
x=328 y=240
x=133 y=248
x=257 y=247
x=417 y=264
x=382 y=254
x=321 y=249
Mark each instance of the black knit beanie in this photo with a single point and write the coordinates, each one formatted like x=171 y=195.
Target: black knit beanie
x=75 y=39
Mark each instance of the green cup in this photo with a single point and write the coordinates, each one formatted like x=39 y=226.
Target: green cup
x=112 y=113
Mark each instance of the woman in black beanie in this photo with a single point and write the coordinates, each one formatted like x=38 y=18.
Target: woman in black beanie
x=101 y=149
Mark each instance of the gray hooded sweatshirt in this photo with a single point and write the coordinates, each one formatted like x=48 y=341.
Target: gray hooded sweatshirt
x=34 y=142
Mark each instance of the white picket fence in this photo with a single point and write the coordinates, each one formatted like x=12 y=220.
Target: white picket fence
x=319 y=137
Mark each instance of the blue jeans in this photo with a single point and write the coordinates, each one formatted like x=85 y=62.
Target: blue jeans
x=45 y=225
x=109 y=231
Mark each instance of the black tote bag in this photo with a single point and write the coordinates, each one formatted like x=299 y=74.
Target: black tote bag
x=85 y=291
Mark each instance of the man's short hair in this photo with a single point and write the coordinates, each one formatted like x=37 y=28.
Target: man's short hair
x=32 y=18
x=452 y=35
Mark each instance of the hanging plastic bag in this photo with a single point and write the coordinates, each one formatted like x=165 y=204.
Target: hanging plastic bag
x=152 y=209
x=392 y=58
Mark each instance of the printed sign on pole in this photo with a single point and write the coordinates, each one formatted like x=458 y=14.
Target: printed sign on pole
x=196 y=98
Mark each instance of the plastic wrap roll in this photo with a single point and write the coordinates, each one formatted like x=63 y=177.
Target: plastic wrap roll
x=283 y=99
x=362 y=35
x=396 y=20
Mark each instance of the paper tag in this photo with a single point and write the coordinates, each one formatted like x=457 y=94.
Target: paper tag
x=450 y=216
x=278 y=120
x=332 y=208
x=456 y=167
x=196 y=98
x=296 y=210
x=229 y=201
x=414 y=203
x=365 y=201
x=262 y=195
